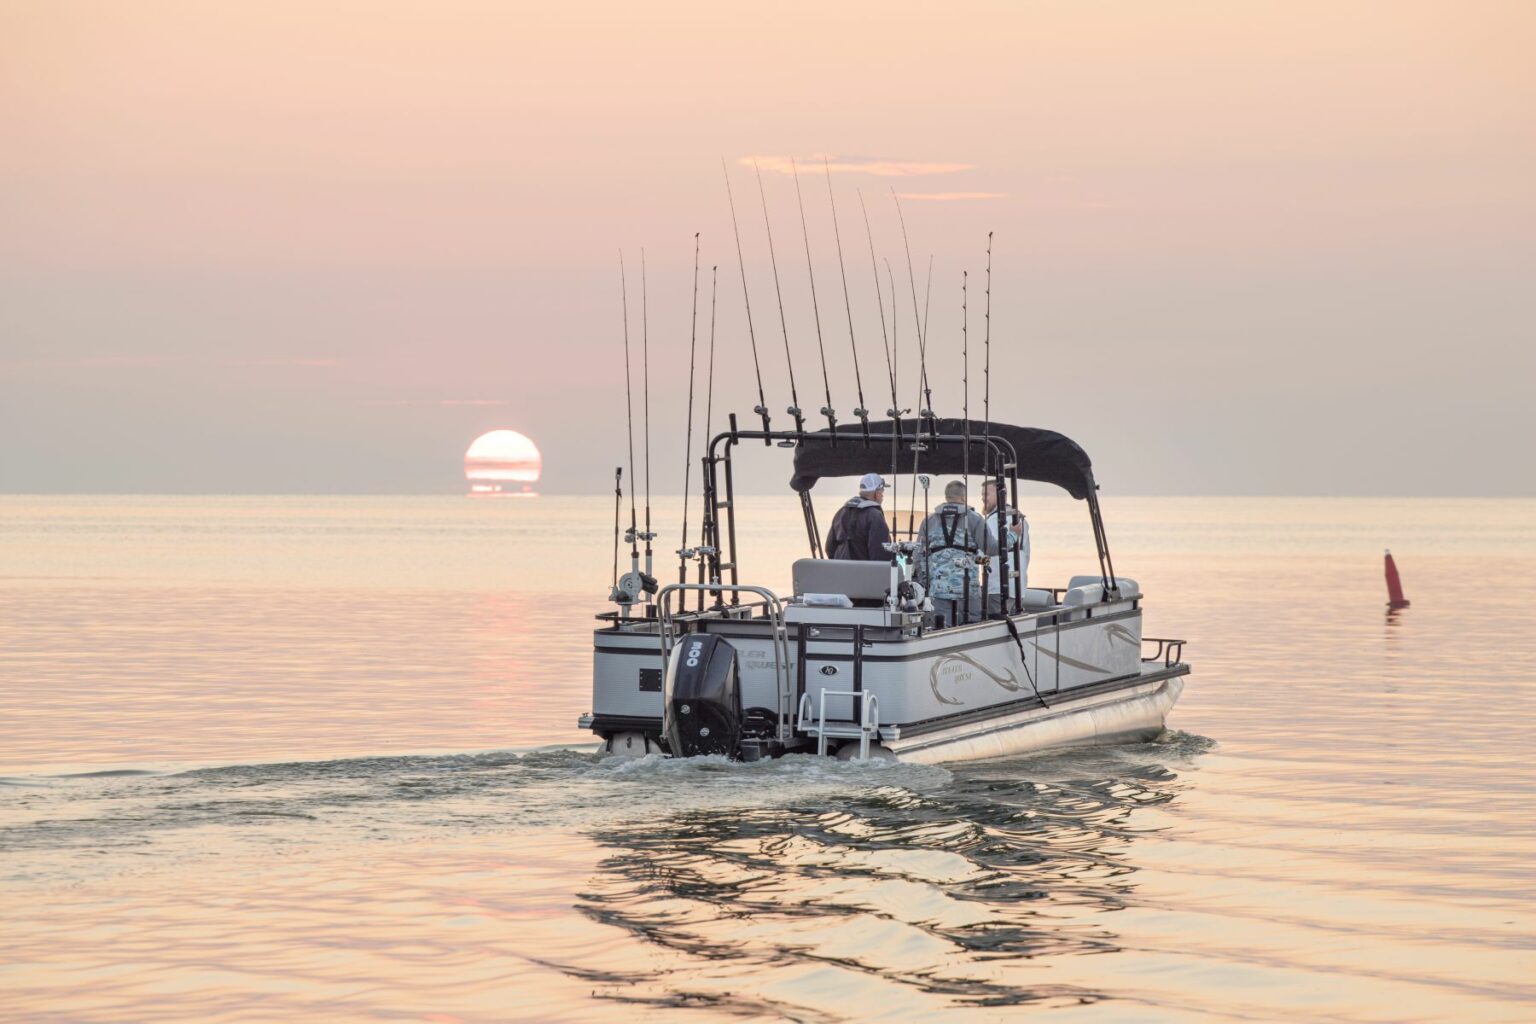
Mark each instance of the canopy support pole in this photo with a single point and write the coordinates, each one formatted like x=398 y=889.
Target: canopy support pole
x=1106 y=564
x=812 y=532
x=730 y=522
x=711 y=548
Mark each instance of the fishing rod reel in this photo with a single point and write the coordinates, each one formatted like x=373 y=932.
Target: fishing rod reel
x=684 y=556
x=634 y=584
x=831 y=415
x=700 y=554
x=912 y=597
x=908 y=595
x=631 y=586
x=627 y=591
x=799 y=415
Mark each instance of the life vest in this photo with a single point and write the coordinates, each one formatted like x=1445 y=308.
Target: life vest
x=953 y=536
x=839 y=536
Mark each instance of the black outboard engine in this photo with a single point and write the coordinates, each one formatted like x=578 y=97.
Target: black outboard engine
x=702 y=701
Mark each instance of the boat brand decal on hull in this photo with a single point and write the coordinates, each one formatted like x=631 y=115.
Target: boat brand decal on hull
x=954 y=666
x=1073 y=662
x=1125 y=636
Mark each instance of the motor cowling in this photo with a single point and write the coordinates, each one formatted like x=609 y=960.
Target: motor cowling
x=702 y=698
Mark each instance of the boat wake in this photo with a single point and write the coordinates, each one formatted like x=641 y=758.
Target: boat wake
x=60 y=827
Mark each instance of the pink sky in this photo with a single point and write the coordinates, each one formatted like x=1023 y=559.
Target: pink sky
x=1240 y=247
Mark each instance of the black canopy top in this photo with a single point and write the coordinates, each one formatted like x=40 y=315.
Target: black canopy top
x=1042 y=455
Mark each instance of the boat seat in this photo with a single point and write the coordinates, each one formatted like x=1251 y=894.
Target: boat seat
x=1128 y=587
x=1090 y=593
x=1035 y=599
x=859 y=581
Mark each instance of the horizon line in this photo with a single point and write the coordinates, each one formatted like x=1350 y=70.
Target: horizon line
x=745 y=494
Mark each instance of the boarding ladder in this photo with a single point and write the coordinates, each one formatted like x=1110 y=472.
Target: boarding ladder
x=868 y=723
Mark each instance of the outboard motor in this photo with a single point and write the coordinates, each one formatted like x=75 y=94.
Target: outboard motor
x=702 y=700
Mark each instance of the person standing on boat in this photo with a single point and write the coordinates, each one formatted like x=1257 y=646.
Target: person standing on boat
x=948 y=542
x=858 y=530
x=1016 y=538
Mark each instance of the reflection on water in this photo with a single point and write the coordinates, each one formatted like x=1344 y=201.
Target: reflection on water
x=946 y=894
x=220 y=798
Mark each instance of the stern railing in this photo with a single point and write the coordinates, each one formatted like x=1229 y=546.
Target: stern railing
x=1169 y=652
x=774 y=608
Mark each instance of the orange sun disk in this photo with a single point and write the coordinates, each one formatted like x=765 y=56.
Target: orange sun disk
x=502 y=462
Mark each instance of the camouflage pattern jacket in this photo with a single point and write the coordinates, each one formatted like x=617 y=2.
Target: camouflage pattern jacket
x=947 y=542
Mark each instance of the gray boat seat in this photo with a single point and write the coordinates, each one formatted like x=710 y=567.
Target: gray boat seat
x=860 y=582
x=1088 y=593
x=1128 y=587
x=1035 y=599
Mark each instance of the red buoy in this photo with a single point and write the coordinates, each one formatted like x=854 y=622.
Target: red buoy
x=1395 y=598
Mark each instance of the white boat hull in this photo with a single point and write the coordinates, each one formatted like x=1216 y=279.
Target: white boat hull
x=1120 y=715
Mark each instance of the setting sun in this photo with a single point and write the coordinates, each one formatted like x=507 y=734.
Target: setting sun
x=500 y=459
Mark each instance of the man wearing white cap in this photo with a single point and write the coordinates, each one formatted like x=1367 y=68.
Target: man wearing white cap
x=858 y=530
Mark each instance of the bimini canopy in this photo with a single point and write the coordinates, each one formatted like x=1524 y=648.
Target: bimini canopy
x=1042 y=455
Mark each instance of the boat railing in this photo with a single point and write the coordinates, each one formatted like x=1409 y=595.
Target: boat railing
x=1169 y=652
x=742 y=611
x=774 y=608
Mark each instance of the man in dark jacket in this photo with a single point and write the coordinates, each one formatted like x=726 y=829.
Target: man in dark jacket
x=858 y=530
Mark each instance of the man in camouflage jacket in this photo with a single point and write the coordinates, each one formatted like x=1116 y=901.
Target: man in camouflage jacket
x=947 y=545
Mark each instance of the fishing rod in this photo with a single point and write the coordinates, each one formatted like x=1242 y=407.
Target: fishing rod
x=894 y=412
x=986 y=370
x=618 y=501
x=922 y=335
x=965 y=376
x=965 y=463
x=986 y=434
x=917 y=445
x=746 y=297
x=789 y=361
x=645 y=357
x=927 y=305
x=709 y=389
x=965 y=412
x=861 y=412
x=685 y=552
x=633 y=584
x=810 y=271
x=708 y=551
x=629 y=404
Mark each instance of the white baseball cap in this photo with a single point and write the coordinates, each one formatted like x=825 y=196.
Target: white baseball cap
x=871 y=482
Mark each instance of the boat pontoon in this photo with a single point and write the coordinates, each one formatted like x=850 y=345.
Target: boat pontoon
x=855 y=662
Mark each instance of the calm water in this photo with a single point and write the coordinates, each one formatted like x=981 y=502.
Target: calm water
x=316 y=759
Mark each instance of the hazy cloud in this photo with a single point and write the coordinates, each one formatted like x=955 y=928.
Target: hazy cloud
x=880 y=167
x=950 y=197
x=399 y=402
x=284 y=362
x=85 y=363
x=151 y=362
